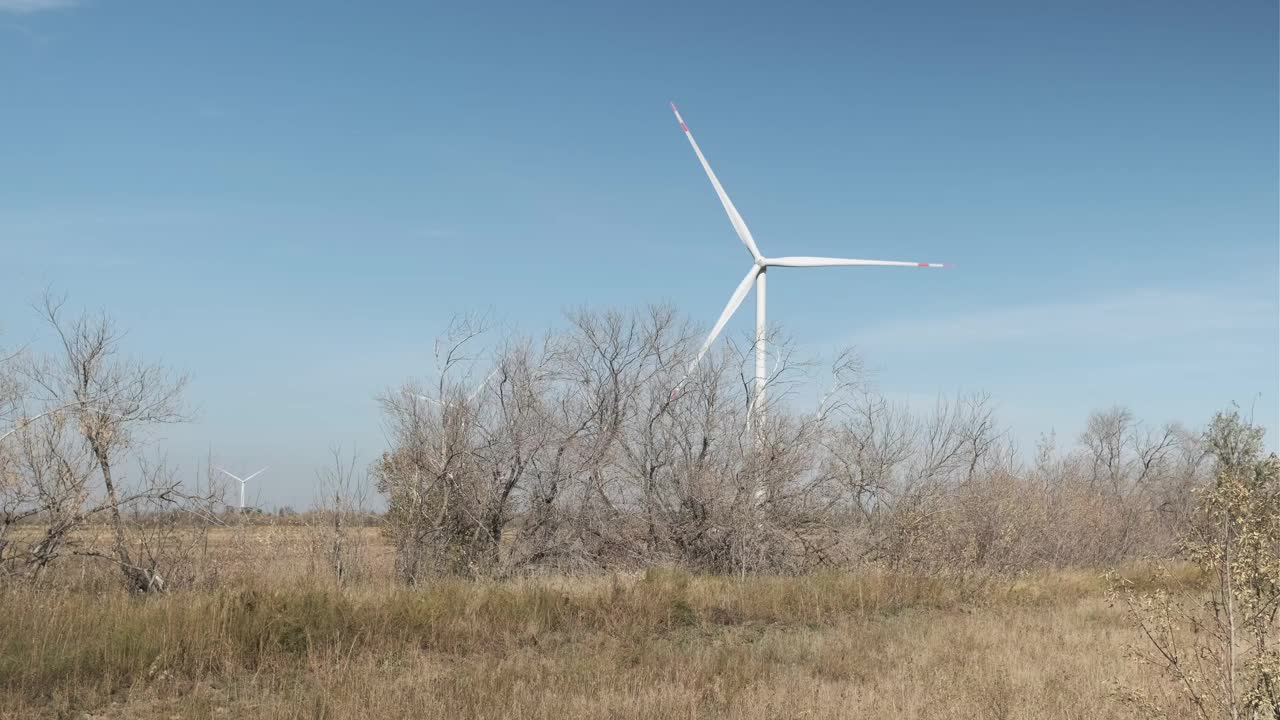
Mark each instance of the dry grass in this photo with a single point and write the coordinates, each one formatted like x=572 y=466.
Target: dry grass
x=280 y=642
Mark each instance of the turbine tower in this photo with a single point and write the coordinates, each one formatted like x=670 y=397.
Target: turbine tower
x=242 y=482
x=756 y=275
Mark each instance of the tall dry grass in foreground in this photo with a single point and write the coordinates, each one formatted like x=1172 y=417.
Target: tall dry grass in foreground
x=659 y=645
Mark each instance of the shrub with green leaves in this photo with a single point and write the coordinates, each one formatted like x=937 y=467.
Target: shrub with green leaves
x=1221 y=658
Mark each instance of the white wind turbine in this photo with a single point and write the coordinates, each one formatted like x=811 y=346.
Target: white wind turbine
x=474 y=394
x=242 y=482
x=446 y=404
x=756 y=275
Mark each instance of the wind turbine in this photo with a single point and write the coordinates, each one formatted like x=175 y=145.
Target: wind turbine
x=474 y=394
x=242 y=482
x=445 y=405
x=760 y=264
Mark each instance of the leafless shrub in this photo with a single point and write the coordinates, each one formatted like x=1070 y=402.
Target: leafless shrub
x=336 y=518
x=950 y=491
x=429 y=477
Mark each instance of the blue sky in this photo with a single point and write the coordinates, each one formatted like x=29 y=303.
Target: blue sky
x=289 y=200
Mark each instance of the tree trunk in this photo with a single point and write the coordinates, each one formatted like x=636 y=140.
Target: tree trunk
x=135 y=577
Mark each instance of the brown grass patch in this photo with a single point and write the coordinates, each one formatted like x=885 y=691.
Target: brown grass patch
x=659 y=645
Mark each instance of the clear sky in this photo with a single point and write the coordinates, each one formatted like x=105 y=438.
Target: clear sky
x=289 y=200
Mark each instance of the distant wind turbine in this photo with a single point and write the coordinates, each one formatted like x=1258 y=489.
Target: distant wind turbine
x=242 y=482
x=470 y=398
x=444 y=404
x=756 y=275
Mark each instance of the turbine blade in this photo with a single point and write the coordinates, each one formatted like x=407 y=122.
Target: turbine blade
x=734 y=301
x=739 y=225
x=804 y=261
x=254 y=475
x=480 y=388
x=224 y=472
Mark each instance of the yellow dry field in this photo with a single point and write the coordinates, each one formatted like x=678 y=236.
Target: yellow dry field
x=277 y=638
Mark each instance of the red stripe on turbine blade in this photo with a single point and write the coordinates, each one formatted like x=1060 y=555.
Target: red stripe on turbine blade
x=684 y=127
x=922 y=264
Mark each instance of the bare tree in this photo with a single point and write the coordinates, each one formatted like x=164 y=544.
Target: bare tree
x=111 y=398
x=433 y=517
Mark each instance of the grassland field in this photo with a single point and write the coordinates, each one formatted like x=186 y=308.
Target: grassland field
x=267 y=633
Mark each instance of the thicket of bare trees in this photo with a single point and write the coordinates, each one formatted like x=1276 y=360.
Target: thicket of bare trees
x=588 y=448
x=584 y=449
